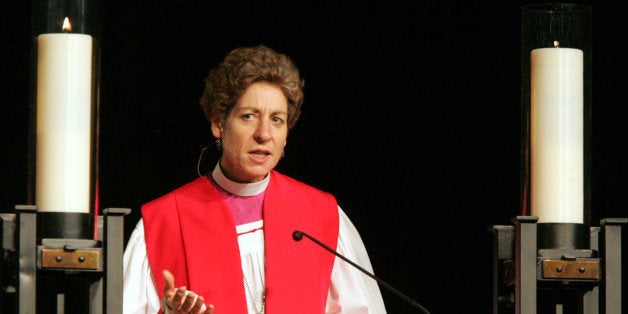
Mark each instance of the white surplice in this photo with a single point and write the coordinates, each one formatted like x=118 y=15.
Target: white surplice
x=351 y=291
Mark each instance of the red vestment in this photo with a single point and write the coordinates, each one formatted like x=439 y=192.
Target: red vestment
x=191 y=233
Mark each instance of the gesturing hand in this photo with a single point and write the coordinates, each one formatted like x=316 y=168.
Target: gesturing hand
x=181 y=300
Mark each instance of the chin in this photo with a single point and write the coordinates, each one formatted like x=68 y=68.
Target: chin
x=258 y=173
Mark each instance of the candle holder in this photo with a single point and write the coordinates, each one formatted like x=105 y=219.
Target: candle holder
x=63 y=148
x=551 y=260
x=61 y=256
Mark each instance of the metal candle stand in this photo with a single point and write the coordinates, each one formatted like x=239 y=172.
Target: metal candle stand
x=549 y=268
x=61 y=275
x=53 y=260
x=552 y=260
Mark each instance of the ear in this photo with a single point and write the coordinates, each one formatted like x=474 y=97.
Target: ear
x=217 y=128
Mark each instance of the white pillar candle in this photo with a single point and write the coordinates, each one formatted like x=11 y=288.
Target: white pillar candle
x=556 y=135
x=64 y=101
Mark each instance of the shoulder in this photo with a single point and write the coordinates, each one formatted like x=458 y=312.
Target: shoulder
x=191 y=190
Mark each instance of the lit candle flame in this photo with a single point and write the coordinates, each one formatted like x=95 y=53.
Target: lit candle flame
x=67 y=27
x=556 y=44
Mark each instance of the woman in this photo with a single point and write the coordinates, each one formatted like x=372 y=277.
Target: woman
x=223 y=243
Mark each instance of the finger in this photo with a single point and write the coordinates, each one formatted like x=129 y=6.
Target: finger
x=199 y=306
x=210 y=309
x=179 y=298
x=169 y=289
x=190 y=300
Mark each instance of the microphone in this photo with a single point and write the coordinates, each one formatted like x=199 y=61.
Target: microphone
x=298 y=236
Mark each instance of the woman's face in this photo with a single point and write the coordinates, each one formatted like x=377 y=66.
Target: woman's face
x=255 y=133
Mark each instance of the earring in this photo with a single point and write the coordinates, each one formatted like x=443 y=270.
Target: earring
x=218 y=144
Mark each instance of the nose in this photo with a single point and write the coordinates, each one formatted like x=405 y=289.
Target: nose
x=263 y=131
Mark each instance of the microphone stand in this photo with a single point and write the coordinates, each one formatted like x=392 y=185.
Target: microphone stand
x=298 y=236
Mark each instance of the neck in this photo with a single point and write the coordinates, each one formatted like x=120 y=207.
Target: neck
x=241 y=189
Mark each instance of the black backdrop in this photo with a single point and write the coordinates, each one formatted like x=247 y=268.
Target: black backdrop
x=411 y=119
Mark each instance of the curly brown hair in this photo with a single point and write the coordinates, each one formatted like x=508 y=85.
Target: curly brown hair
x=244 y=66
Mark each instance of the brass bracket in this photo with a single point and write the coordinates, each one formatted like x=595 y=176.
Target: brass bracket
x=571 y=269
x=76 y=259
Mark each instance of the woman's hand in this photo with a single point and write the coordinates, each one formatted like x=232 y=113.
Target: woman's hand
x=181 y=300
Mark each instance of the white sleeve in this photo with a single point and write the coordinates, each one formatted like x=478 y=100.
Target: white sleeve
x=352 y=291
x=139 y=292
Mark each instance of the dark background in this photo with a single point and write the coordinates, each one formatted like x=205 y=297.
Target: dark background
x=411 y=119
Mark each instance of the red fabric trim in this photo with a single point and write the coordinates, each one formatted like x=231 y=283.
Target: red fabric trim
x=298 y=273
x=191 y=232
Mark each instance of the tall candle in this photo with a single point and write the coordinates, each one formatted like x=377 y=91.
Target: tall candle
x=556 y=135
x=64 y=96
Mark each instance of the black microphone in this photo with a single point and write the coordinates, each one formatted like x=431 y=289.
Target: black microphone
x=298 y=235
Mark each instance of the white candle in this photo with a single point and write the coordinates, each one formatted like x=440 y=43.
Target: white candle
x=556 y=117
x=64 y=101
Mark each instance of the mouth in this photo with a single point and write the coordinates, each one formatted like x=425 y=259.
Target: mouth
x=260 y=153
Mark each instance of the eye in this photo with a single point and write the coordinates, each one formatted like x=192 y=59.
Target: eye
x=248 y=116
x=278 y=120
